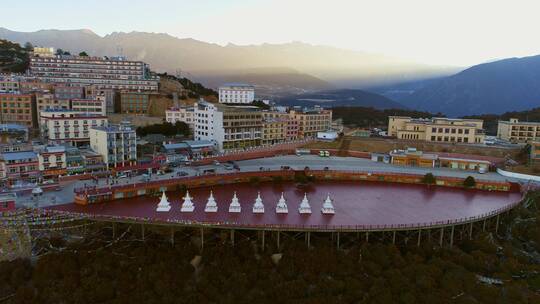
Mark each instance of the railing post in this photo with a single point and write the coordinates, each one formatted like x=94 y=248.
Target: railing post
x=263 y=240
x=470 y=231
x=142 y=232
x=394 y=237
x=202 y=238
x=419 y=236
x=232 y=237
x=452 y=237
x=497 y=225
x=441 y=237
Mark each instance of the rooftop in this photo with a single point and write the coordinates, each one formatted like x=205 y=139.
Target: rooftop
x=19 y=155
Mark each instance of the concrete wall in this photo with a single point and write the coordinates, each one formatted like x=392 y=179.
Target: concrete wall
x=521 y=176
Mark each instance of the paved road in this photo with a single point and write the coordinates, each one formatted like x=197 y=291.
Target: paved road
x=352 y=163
x=65 y=194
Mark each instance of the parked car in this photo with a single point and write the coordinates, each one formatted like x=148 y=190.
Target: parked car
x=229 y=167
x=216 y=163
x=122 y=175
x=182 y=173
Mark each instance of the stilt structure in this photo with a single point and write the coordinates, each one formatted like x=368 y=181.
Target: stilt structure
x=328 y=207
x=258 y=207
x=304 y=208
x=281 y=206
x=187 y=205
x=211 y=205
x=235 y=207
x=164 y=205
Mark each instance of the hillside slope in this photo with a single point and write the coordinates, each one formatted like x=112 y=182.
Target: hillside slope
x=341 y=98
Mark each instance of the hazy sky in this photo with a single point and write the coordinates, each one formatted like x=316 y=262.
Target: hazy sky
x=452 y=32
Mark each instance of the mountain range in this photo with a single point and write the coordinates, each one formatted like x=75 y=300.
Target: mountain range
x=340 y=98
x=207 y=62
x=496 y=87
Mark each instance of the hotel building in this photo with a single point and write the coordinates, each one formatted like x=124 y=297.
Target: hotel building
x=116 y=143
x=134 y=102
x=437 y=129
x=310 y=121
x=239 y=93
x=47 y=101
x=108 y=73
x=183 y=114
x=18 y=109
x=517 y=131
x=68 y=126
x=97 y=106
x=229 y=127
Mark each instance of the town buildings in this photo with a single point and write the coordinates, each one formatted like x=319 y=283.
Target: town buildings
x=311 y=120
x=94 y=106
x=517 y=131
x=238 y=93
x=48 y=101
x=230 y=127
x=103 y=72
x=20 y=167
x=18 y=108
x=437 y=129
x=52 y=162
x=116 y=143
x=183 y=114
x=134 y=102
x=68 y=126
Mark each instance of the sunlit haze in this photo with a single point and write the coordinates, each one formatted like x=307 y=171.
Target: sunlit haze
x=435 y=32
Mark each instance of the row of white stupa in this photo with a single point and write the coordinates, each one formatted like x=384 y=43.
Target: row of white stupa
x=234 y=207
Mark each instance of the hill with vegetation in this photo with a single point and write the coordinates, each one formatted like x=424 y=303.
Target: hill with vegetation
x=13 y=57
x=362 y=117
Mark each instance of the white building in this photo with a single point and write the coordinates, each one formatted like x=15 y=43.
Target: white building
x=183 y=114
x=102 y=72
x=236 y=93
x=67 y=126
x=230 y=127
x=117 y=144
x=94 y=106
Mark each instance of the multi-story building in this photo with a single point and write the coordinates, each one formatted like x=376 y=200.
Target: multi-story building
x=276 y=127
x=68 y=126
x=117 y=144
x=96 y=106
x=229 y=127
x=437 y=129
x=9 y=84
x=43 y=51
x=183 y=114
x=134 y=102
x=67 y=92
x=311 y=120
x=236 y=93
x=52 y=162
x=18 y=109
x=103 y=72
x=20 y=167
x=93 y=92
x=46 y=101
x=517 y=131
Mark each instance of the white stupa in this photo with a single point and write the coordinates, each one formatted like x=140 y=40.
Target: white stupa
x=281 y=206
x=258 y=207
x=187 y=205
x=211 y=205
x=328 y=207
x=304 y=207
x=235 y=207
x=163 y=205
